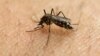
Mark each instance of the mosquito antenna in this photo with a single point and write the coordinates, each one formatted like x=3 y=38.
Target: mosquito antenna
x=44 y=11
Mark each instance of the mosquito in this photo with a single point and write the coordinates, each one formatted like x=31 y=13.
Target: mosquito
x=52 y=18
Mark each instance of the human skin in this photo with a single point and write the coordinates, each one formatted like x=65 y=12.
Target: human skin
x=19 y=16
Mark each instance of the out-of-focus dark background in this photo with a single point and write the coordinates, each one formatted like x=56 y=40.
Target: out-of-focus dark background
x=18 y=16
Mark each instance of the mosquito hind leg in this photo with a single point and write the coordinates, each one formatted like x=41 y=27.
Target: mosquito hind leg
x=77 y=25
x=60 y=13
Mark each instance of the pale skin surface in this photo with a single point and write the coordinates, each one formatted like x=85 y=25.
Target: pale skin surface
x=18 y=16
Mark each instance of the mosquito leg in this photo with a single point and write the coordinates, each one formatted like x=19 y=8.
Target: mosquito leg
x=52 y=11
x=60 y=13
x=36 y=28
x=49 y=33
x=44 y=11
x=77 y=24
x=48 y=36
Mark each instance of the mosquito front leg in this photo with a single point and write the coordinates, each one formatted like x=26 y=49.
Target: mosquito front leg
x=36 y=28
x=40 y=25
